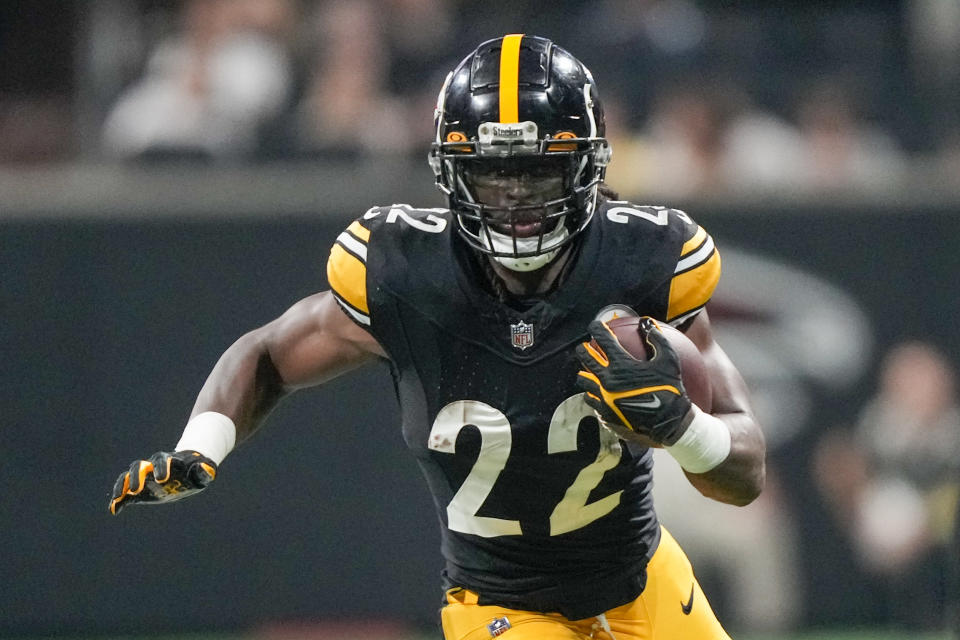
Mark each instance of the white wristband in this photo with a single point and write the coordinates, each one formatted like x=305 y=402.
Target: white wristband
x=210 y=433
x=704 y=445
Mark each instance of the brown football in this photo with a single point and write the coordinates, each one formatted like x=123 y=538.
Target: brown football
x=693 y=371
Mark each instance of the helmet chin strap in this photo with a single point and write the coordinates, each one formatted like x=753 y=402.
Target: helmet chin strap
x=502 y=243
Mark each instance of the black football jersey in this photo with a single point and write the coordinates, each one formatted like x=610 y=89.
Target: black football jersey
x=541 y=508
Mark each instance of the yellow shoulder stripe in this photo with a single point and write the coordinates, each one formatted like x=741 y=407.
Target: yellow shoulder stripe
x=359 y=230
x=692 y=289
x=510 y=78
x=347 y=276
x=693 y=242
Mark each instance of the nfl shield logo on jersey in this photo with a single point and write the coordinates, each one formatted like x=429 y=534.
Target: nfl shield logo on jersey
x=521 y=335
x=498 y=627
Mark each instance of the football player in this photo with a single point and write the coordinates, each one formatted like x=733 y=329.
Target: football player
x=533 y=441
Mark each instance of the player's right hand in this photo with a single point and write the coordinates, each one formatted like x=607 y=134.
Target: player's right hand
x=164 y=477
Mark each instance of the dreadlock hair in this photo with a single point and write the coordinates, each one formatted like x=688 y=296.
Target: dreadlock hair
x=607 y=192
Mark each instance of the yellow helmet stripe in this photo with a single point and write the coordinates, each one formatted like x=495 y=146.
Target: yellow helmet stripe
x=510 y=78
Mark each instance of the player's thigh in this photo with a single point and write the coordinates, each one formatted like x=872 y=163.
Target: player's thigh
x=466 y=620
x=673 y=599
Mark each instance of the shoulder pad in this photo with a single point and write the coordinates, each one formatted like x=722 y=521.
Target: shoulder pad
x=695 y=275
x=347 y=271
x=670 y=242
x=383 y=229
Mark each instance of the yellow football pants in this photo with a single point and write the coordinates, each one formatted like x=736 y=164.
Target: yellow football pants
x=671 y=607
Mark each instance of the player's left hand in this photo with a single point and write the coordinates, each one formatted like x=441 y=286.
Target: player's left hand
x=164 y=477
x=645 y=396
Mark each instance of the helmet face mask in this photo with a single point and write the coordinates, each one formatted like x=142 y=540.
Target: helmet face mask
x=521 y=189
x=510 y=192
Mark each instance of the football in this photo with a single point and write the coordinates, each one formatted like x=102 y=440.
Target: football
x=693 y=371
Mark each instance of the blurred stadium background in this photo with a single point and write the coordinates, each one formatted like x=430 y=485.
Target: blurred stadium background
x=172 y=173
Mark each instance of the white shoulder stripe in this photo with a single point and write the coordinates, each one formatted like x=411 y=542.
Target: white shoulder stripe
x=696 y=257
x=362 y=318
x=676 y=322
x=355 y=246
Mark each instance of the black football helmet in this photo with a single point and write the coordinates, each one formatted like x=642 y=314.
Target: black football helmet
x=520 y=105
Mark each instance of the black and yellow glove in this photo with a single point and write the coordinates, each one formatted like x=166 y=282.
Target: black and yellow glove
x=645 y=396
x=164 y=477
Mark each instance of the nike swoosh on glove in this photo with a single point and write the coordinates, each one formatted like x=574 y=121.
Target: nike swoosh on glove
x=645 y=396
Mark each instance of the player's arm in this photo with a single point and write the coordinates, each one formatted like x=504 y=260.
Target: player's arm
x=739 y=478
x=312 y=342
x=644 y=400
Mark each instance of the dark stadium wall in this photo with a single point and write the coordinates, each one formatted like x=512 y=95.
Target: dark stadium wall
x=108 y=331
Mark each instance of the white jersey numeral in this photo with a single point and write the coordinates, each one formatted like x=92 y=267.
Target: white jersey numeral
x=431 y=223
x=659 y=216
x=573 y=511
x=496 y=440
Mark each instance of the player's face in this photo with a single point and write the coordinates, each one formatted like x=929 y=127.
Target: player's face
x=528 y=183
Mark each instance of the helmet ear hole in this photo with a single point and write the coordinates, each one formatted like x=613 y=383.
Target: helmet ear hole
x=458 y=136
x=563 y=146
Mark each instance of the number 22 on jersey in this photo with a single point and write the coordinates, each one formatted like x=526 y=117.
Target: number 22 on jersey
x=496 y=438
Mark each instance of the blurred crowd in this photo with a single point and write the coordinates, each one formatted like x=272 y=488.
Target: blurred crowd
x=259 y=80
x=701 y=97
x=891 y=482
